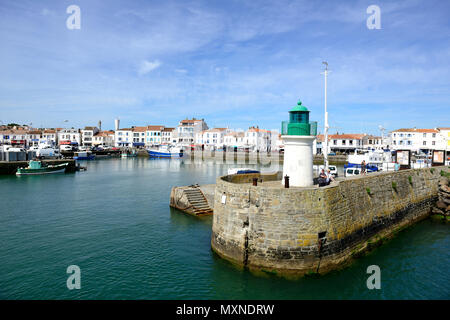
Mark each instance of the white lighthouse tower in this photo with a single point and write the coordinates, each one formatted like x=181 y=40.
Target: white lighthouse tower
x=298 y=137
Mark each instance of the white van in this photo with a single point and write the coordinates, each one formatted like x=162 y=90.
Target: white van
x=352 y=172
x=48 y=153
x=65 y=147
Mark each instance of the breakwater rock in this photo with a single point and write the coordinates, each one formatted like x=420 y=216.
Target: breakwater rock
x=443 y=204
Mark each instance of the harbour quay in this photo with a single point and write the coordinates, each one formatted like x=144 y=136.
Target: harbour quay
x=304 y=230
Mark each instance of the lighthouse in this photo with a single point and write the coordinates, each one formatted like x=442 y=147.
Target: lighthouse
x=298 y=136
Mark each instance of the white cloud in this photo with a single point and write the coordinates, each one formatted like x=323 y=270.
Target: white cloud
x=148 y=66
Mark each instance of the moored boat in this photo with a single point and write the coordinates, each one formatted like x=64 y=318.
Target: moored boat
x=165 y=152
x=83 y=155
x=35 y=168
x=242 y=171
x=129 y=154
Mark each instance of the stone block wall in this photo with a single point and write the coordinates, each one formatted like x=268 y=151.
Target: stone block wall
x=277 y=229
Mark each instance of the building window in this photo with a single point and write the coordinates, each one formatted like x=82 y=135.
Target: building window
x=424 y=143
x=434 y=135
x=433 y=143
x=424 y=135
x=335 y=142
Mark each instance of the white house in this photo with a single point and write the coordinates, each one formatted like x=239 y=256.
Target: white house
x=69 y=136
x=103 y=138
x=138 y=134
x=167 y=136
x=87 y=134
x=445 y=136
x=211 y=138
x=123 y=137
x=417 y=140
x=153 y=135
x=234 y=139
x=187 y=129
x=33 y=137
x=49 y=137
x=258 y=139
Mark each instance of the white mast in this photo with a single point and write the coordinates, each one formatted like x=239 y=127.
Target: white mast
x=325 y=147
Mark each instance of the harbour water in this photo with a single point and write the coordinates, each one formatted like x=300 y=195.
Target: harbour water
x=114 y=222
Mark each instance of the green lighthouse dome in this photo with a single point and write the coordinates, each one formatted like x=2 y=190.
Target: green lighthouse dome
x=299 y=121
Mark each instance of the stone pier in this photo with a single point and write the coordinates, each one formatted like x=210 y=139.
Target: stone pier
x=314 y=230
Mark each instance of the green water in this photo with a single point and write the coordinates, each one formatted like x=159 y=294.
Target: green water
x=114 y=222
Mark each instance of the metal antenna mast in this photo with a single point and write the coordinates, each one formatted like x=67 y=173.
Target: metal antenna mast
x=325 y=149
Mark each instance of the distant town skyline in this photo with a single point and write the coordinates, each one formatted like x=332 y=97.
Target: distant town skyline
x=233 y=63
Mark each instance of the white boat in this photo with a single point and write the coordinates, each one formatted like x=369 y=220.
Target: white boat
x=242 y=171
x=166 y=152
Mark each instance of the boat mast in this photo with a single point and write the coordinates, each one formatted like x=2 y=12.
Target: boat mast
x=325 y=149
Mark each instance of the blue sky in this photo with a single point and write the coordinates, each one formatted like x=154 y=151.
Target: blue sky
x=234 y=63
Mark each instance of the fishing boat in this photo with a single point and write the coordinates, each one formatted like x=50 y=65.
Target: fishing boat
x=35 y=168
x=83 y=155
x=165 y=152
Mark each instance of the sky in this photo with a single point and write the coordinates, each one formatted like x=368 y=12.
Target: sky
x=233 y=63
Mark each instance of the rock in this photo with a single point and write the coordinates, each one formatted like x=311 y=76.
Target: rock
x=448 y=208
x=438 y=211
x=441 y=205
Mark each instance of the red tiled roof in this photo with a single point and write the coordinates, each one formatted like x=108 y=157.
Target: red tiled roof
x=416 y=130
x=155 y=128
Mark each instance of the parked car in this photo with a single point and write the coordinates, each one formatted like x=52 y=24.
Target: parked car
x=333 y=170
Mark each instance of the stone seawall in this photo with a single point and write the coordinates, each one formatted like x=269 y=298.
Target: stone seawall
x=304 y=230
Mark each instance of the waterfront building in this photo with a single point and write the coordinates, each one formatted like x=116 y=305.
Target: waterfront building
x=138 y=134
x=167 y=136
x=123 y=137
x=15 y=137
x=211 y=138
x=49 y=137
x=346 y=143
x=69 y=136
x=370 y=142
x=445 y=136
x=87 y=134
x=103 y=138
x=258 y=139
x=33 y=137
x=153 y=135
x=417 y=140
x=187 y=129
x=234 y=139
